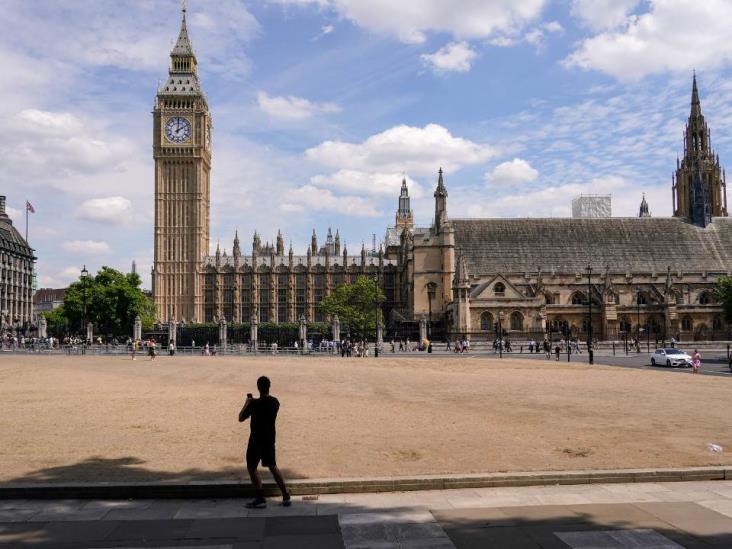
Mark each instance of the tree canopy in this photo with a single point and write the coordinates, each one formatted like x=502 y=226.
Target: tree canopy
x=723 y=293
x=354 y=304
x=110 y=300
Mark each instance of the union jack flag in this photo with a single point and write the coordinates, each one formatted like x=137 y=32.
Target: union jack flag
x=29 y=207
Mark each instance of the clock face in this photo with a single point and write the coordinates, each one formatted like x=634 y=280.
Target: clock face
x=178 y=129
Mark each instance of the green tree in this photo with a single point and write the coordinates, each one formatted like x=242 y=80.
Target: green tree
x=110 y=300
x=723 y=293
x=354 y=304
x=56 y=322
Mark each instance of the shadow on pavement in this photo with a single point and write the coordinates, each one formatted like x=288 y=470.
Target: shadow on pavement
x=132 y=469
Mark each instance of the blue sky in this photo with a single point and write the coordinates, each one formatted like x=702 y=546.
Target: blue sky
x=321 y=106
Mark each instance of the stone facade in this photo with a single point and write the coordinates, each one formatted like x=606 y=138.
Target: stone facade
x=16 y=275
x=642 y=275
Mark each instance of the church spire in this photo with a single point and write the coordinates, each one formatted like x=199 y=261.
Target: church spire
x=404 y=217
x=695 y=103
x=182 y=58
x=440 y=202
x=644 y=212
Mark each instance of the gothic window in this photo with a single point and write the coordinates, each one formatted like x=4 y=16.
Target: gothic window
x=281 y=314
x=686 y=323
x=624 y=324
x=578 y=298
x=706 y=298
x=679 y=298
x=641 y=299
x=337 y=279
x=717 y=323
x=517 y=321
x=499 y=289
x=486 y=321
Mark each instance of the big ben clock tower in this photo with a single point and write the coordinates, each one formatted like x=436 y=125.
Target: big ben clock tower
x=182 y=153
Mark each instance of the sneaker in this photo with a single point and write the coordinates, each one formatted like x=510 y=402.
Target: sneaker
x=286 y=500
x=257 y=503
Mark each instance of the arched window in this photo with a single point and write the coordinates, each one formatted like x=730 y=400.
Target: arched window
x=641 y=298
x=686 y=324
x=679 y=298
x=549 y=298
x=499 y=288
x=517 y=321
x=624 y=324
x=578 y=298
x=486 y=321
x=706 y=298
x=717 y=323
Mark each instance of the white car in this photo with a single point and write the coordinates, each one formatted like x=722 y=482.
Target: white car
x=670 y=357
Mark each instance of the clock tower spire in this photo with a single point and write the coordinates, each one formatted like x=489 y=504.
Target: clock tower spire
x=182 y=155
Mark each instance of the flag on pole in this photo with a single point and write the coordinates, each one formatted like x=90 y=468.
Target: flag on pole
x=29 y=207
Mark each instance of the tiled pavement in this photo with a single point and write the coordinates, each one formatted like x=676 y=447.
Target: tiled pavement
x=650 y=516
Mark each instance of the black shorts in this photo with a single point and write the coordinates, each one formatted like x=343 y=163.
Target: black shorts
x=261 y=451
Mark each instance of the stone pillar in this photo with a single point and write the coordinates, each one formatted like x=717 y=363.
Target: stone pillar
x=42 y=327
x=90 y=332
x=222 y=334
x=336 y=328
x=422 y=328
x=137 y=329
x=379 y=334
x=172 y=325
x=253 y=332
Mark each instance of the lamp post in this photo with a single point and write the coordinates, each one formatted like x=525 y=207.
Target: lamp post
x=431 y=290
x=590 y=352
x=500 y=334
x=637 y=329
x=376 y=315
x=84 y=277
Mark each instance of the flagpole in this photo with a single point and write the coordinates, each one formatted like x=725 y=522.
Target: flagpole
x=26 y=221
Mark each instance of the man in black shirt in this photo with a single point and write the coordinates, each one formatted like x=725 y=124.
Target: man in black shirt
x=261 y=447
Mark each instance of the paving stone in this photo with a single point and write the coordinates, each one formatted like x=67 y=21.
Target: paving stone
x=410 y=515
x=149 y=529
x=280 y=526
x=318 y=541
x=617 y=539
x=17 y=515
x=244 y=529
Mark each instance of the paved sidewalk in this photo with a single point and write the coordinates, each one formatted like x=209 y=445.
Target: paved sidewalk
x=639 y=515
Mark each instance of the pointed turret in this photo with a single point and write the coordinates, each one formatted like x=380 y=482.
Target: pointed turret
x=345 y=254
x=699 y=185
x=337 y=245
x=643 y=212
x=440 y=202
x=314 y=243
x=236 y=250
x=256 y=243
x=404 y=217
x=183 y=65
x=218 y=254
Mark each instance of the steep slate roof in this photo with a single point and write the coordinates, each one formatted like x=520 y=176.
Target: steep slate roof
x=10 y=239
x=567 y=245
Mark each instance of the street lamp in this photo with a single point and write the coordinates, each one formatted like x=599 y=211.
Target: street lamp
x=500 y=334
x=84 y=277
x=376 y=315
x=431 y=290
x=590 y=351
x=637 y=329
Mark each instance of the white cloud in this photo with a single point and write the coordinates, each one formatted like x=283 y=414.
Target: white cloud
x=86 y=247
x=454 y=57
x=385 y=184
x=326 y=29
x=113 y=209
x=673 y=35
x=14 y=214
x=410 y=20
x=403 y=148
x=603 y=14
x=514 y=172
x=291 y=107
x=314 y=198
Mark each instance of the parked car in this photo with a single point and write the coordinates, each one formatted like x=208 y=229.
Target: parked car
x=670 y=357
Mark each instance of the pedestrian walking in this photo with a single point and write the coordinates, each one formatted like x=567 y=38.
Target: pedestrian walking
x=151 y=349
x=171 y=348
x=557 y=350
x=261 y=447
x=729 y=358
x=695 y=362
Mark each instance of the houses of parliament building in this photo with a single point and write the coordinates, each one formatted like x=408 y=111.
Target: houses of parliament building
x=641 y=274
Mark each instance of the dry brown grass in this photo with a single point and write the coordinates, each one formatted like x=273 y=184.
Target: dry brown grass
x=90 y=418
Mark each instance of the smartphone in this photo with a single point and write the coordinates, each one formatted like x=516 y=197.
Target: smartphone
x=249 y=395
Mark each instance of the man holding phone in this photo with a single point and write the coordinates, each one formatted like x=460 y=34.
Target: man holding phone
x=261 y=447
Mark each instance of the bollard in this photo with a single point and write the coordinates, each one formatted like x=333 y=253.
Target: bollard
x=613 y=348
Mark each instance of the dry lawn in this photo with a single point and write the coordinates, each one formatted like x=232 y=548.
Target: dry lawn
x=112 y=419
